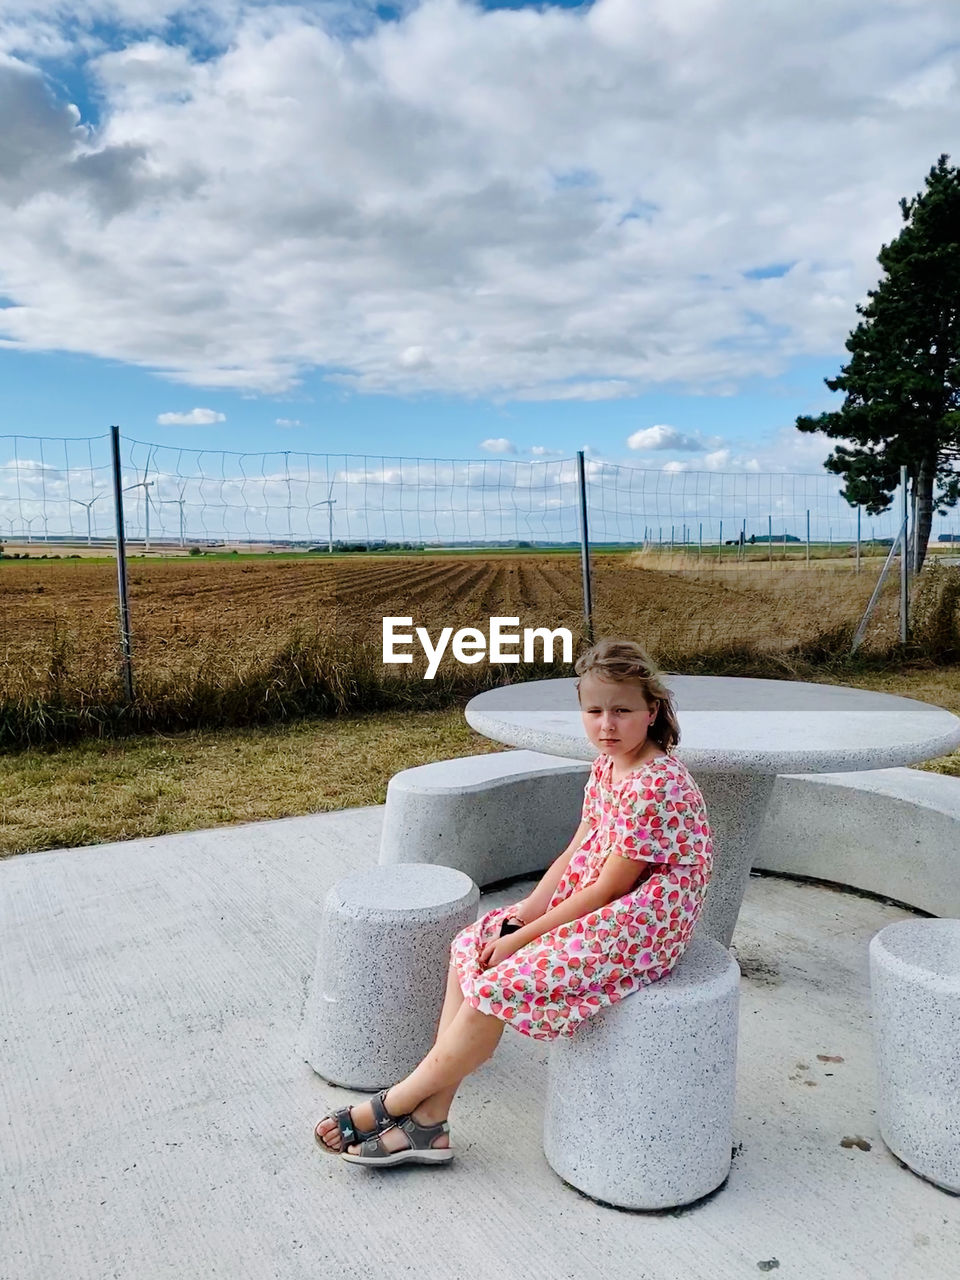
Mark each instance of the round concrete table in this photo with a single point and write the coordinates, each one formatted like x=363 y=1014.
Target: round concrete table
x=736 y=735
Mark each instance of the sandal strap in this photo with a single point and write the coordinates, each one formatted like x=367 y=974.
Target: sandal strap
x=422 y=1135
x=348 y=1132
x=419 y=1136
x=373 y=1147
x=382 y=1117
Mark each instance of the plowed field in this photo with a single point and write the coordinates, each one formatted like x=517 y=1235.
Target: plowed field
x=65 y=611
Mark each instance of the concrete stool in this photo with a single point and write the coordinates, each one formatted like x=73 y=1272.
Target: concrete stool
x=915 y=994
x=381 y=971
x=493 y=816
x=640 y=1099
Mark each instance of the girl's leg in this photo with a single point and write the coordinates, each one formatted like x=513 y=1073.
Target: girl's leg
x=439 y=1105
x=464 y=1044
x=452 y=1001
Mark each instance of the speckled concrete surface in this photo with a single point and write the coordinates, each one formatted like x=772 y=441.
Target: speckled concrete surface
x=620 y=1127
x=736 y=804
x=156 y=1110
x=381 y=970
x=894 y=832
x=491 y=815
x=915 y=998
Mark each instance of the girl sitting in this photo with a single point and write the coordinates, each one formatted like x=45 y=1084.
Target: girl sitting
x=612 y=913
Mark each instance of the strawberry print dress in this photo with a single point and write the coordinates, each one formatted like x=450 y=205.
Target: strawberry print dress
x=654 y=814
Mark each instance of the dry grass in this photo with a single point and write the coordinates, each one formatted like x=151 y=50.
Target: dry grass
x=756 y=559
x=154 y=784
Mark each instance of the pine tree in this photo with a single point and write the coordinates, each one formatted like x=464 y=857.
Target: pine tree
x=902 y=382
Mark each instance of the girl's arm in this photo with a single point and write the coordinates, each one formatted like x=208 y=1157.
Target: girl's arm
x=536 y=902
x=617 y=877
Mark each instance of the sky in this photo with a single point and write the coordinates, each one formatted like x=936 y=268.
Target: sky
x=442 y=228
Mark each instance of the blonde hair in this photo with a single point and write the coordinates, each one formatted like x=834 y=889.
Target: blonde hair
x=625 y=660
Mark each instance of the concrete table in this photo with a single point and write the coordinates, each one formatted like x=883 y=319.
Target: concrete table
x=736 y=735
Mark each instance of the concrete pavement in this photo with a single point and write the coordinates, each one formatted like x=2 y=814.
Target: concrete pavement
x=156 y=1111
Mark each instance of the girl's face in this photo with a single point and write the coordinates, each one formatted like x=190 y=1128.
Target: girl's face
x=616 y=715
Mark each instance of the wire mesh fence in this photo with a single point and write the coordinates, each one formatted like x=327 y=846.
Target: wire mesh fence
x=60 y=490
x=216 y=638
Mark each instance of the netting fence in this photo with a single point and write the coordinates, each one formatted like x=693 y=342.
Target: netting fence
x=61 y=490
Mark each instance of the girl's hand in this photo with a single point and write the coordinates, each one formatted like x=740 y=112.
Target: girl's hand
x=494 y=952
x=525 y=912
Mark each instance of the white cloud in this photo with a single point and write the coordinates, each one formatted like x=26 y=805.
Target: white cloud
x=717 y=460
x=414 y=358
x=195 y=418
x=499 y=445
x=288 y=422
x=317 y=189
x=612 y=389
x=784 y=451
x=541 y=451
x=662 y=436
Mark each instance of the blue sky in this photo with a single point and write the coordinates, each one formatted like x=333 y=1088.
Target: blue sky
x=452 y=229
x=74 y=396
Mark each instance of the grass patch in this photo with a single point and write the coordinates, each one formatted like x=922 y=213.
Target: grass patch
x=155 y=784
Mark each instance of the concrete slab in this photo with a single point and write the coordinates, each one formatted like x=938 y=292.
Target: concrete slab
x=156 y=1108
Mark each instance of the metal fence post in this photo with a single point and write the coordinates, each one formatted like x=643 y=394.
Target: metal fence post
x=904 y=593
x=916 y=529
x=121 y=567
x=808 y=537
x=585 y=549
x=858 y=539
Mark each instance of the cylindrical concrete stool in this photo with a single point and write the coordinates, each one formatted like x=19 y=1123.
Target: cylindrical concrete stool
x=639 y=1110
x=915 y=995
x=381 y=970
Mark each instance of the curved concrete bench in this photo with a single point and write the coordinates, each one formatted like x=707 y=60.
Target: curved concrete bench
x=640 y=1099
x=493 y=816
x=381 y=971
x=915 y=995
x=895 y=832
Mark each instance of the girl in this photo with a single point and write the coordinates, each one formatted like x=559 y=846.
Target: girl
x=612 y=913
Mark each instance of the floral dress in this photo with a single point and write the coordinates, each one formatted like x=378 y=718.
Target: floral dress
x=654 y=814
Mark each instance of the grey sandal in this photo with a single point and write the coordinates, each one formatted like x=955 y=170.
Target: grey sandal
x=350 y=1135
x=420 y=1150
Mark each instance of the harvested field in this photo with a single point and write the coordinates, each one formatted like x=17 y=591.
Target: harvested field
x=231 y=640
